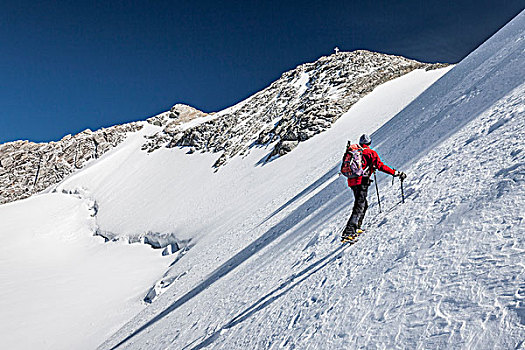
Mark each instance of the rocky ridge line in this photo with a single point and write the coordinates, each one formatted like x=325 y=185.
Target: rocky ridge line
x=302 y=103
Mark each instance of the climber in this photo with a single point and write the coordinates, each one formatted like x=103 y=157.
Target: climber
x=359 y=179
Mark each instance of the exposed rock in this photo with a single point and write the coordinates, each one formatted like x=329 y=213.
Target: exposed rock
x=171 y=121
x=437 y=66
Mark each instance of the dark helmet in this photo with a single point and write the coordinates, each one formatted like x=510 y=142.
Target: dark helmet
x=365 y=139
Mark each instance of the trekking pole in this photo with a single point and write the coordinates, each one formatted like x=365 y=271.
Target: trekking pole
x=402 y=192
x=377 y=191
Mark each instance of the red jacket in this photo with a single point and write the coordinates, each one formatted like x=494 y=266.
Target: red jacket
x=370 y=158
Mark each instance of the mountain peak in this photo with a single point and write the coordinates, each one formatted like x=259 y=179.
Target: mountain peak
x=300 y=104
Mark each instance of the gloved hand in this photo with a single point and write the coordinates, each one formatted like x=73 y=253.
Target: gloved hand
x=401 y=175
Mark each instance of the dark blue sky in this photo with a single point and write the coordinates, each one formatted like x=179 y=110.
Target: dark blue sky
x=70 y=65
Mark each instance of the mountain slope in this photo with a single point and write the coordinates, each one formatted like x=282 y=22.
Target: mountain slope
x=302 y=103
x=27 y=168
x=443 y=270
x=167 y=198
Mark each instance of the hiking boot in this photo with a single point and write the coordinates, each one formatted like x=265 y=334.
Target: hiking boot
x=349 y=232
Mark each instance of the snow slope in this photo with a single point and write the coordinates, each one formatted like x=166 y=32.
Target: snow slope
x=171 y=192
x=443 y=270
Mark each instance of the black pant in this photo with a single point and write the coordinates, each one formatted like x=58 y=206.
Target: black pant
x=360 y=206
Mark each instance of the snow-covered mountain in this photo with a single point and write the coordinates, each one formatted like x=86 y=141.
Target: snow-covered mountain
x=251 y=255
x=303 y=102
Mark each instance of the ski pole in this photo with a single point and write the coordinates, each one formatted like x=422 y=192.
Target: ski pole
x=402 y=192
x=377 y=191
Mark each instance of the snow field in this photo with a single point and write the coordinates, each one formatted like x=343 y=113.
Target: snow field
x=297 y=205
x=443 y=270
x=65 y=288
x=263 y=201
x=170 y=192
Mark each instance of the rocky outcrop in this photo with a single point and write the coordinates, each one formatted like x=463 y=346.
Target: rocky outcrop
x=302 y=103
x=27 y=167
x=172 y=122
